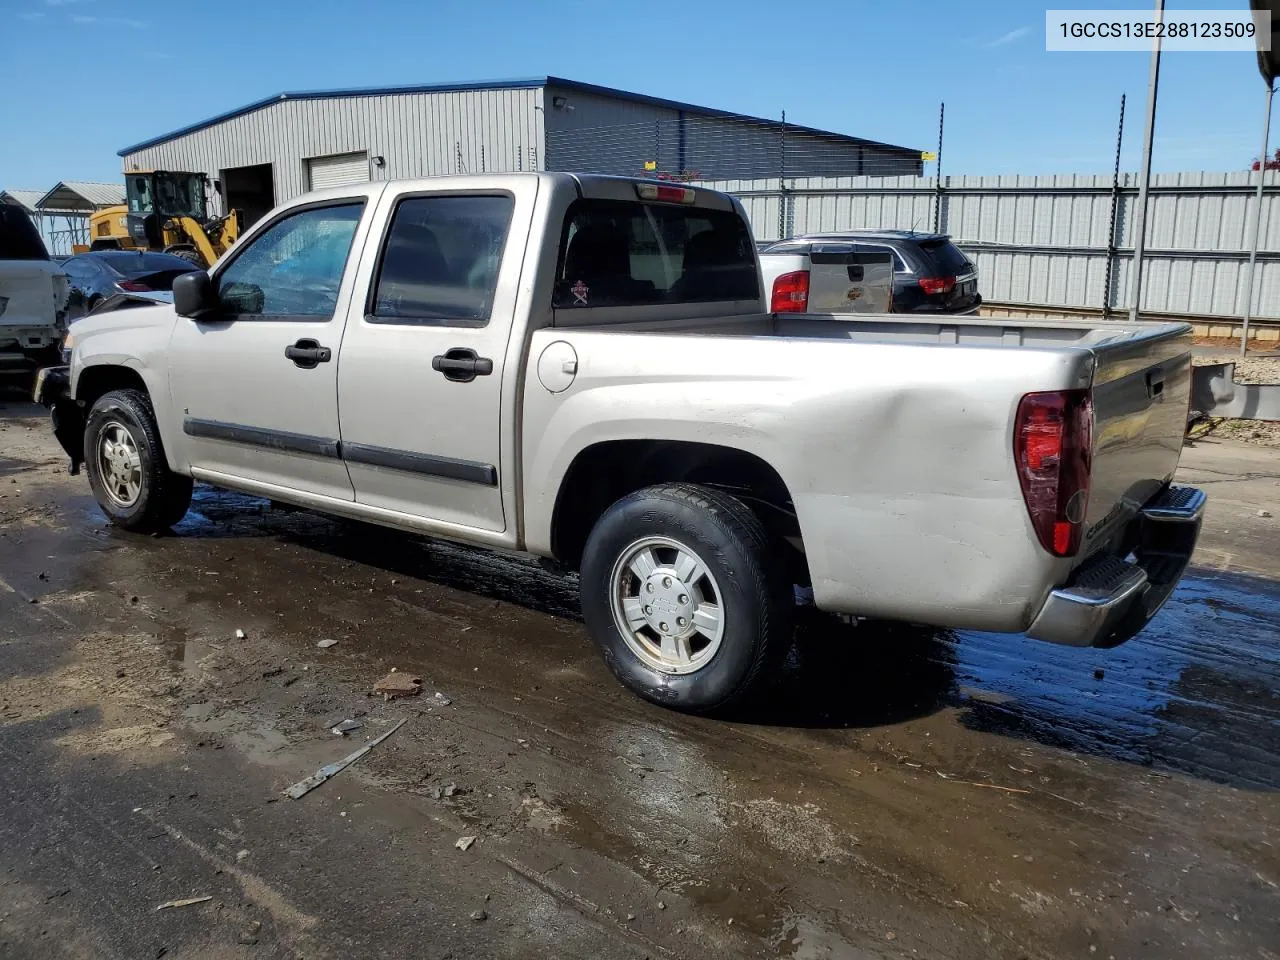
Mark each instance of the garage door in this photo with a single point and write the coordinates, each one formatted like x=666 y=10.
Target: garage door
x=337 y=170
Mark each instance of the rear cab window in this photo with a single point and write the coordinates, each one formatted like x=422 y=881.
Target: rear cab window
x=618 y=253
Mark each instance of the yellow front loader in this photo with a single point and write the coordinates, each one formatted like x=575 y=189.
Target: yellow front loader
x=166 y=211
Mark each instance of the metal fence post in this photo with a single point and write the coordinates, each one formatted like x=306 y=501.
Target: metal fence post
x=782 y=178
x=1115 y=210
x=1140 y=238
x=937 y=197
x=1257 y=226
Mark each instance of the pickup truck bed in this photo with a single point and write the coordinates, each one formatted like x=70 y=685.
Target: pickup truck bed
x=917 y=493
x=583 y=368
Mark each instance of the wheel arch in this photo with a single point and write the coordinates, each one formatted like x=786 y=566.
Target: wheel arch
x=604 y=472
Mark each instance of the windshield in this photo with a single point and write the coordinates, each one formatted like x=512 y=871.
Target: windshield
x=169 y=194
x=618 y=253
x=180 y=195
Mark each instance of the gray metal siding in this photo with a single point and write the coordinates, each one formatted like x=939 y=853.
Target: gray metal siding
x=599 y=134
x=1043 y=240
x=419 y=134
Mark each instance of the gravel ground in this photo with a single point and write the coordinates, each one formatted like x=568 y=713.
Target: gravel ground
x=1264 y=369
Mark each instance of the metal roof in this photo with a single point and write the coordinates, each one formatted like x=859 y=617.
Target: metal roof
x=22 y=198
x=526 y=83
x=81 y=196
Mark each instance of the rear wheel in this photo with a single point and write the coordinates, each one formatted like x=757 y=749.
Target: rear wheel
x=127 y=470
x=684 y=597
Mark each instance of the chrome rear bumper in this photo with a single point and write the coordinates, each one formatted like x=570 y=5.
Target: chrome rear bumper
x=1111 y=598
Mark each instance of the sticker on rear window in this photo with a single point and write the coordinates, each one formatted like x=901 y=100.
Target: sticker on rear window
x=579 y=291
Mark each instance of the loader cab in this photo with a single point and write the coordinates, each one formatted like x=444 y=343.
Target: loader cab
x=157 y=196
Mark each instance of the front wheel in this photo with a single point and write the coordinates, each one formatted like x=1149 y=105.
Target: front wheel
x=127 y=470
x=684 y=597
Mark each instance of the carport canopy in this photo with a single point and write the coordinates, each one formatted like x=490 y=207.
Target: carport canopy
x=26 y=199
x=73 y=196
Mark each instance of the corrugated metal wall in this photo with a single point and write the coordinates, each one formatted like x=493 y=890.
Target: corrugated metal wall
x=419 y=134
x=1043 y=240
x=598 y=134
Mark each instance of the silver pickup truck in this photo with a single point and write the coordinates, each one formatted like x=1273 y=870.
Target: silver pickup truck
x=583 y=368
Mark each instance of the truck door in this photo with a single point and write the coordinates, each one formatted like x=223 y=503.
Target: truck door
x=421 y=379
x=256 y=385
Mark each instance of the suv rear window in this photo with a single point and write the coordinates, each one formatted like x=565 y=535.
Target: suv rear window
x=19 y=238
x=945 y=257
x=619 y=254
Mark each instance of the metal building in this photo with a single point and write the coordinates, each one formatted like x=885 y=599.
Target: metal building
x=274 y=149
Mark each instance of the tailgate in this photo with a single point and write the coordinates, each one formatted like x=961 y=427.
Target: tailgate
x=1141 y=389
x=27 y=293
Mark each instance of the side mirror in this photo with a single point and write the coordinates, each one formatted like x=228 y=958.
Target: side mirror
x=193 y=295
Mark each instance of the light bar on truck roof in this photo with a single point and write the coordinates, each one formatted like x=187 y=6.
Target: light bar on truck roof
x=664 y=193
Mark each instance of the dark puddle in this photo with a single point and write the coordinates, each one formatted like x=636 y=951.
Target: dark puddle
x=1196 y=692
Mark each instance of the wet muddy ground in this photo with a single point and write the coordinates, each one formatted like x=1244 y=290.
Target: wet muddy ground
x=907 y=793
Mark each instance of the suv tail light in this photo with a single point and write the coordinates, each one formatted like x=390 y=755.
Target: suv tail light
x=1053 y=450
x=790 y=293
x=932 y=285
x=132 y=286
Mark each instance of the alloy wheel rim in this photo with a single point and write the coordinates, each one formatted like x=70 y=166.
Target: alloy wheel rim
x=119 y=464
x=667 y=605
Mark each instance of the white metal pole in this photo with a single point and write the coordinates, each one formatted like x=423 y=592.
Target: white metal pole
x=1140 y=221
x=1257 y=226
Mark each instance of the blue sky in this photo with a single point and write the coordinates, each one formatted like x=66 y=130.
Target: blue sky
x=871 y=69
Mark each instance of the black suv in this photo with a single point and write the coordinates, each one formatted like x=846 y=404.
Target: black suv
x=930 y=274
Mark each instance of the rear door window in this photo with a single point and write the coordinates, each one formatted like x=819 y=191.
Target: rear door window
x=946 y=257
x=19 y=238
x=621 y=254
x=441 y=259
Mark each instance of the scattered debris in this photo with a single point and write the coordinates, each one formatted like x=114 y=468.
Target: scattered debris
x=303 y=787
x=449 y=789
x=1099 y=674
x=396 y=684
x=272 y=672
x=241 y=635
x=326 y=643
x=441 y=699
x=173 y=904
x=345 y=727
x=661 y=905
x=1264 y=513
x=479 y=915
x=890 y=935
x=249 y=935
x=632 y=916
x=974 y=783
x=464 y=843
x=241 y=855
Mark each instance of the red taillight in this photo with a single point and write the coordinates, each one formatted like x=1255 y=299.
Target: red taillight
x=1053 y=449
x=132 y=286
x=932 y=285
x=791 y=293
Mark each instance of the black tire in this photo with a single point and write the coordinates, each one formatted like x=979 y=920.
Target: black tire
x=757 y=597
x=190 y=256
x=163 y=496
